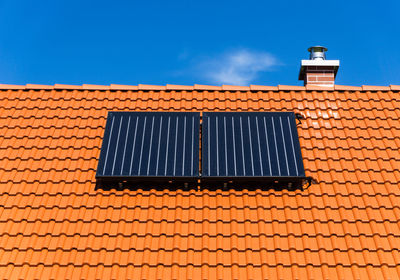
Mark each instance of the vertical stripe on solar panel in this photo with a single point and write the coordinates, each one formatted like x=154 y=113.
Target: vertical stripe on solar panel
x=150 y=144
x=251 y=144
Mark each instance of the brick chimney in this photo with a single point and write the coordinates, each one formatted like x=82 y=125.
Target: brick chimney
x=317 y=70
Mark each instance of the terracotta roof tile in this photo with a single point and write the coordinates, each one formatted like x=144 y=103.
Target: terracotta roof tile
x=206 y=87
x=95 y=87
x=235 y=88
x=375 y=88
x=31 y=86
x=351 y=88
x=263 y=88
x=4 y=86
x=123 y=87
x=151 y=87
x=54 y=223
x=178 y=87
x=285 y=87
x=320 y=88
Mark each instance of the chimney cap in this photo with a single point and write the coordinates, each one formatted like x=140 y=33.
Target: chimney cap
x=317 y=49
x=317 y=52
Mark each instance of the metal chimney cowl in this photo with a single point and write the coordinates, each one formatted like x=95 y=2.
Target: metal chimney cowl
x=317 y=52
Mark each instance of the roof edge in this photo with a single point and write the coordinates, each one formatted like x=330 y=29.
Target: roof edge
x=199 y=87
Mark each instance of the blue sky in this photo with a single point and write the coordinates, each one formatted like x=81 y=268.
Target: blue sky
x=195 y=42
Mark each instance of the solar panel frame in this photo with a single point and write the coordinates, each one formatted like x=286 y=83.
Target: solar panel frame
x=251 y=148
x=150 y=148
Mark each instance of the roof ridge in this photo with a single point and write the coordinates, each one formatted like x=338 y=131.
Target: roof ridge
x=201 y=87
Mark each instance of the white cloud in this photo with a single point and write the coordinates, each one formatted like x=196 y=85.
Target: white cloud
x=239 y=67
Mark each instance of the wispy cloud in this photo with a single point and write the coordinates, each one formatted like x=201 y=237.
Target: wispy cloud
x=238 y=67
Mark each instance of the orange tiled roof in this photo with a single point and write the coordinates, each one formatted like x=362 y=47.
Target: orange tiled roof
x=54 y=224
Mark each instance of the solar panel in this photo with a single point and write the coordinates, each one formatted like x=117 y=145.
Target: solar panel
x=251 y=147
x=149 y=147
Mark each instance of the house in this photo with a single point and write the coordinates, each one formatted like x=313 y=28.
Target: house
x=55 y=223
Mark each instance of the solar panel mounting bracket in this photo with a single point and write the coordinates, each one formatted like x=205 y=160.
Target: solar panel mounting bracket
x=299 y=117
x=309 y=181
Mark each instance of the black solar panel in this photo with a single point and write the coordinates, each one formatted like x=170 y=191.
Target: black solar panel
x=251 y=147
x=149 y=147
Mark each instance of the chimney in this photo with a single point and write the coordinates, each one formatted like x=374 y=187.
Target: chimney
x=317 y=70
